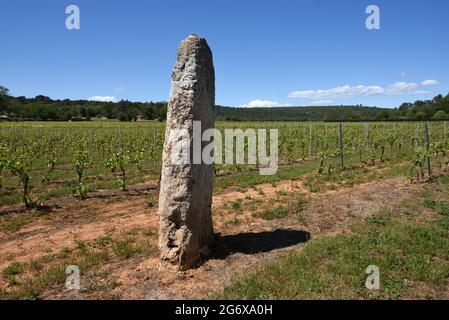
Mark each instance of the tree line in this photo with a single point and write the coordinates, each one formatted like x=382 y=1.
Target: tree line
x=434 y=109
x=315 y=113
x=43 y=108
x=437 y=109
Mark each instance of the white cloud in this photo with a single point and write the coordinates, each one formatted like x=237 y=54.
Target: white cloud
x=402 y=88
x=430 y=83
x=103 y=99
x=399 y=88
x=260 y=104
x=119 y=89
x=321 y=102
x=338 y=92
x=343 y=92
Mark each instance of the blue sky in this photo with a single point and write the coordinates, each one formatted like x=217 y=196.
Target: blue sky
x=266 y=53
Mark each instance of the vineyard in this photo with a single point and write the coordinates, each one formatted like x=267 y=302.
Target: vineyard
x=39 y=161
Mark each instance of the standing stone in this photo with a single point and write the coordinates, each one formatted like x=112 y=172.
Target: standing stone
x=185 y=199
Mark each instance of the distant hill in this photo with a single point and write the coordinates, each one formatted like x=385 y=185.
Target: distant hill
x=43 y=108
x=315 y=113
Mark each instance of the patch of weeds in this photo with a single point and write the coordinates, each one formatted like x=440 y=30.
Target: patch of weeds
x=281 y=192
x=52 y=276
x=127 y=248
x=123 y=249
x=303 y=219
x=296 y=203
x=242 y=190
x=47 y=258
x=82 y=246
x=103 y=241
x=316 y=183
x=424 y=192
x=103 y=274
x=131 y=232
x=443 y=179
x=15 y=224
x=256 y=201
x=312 y=185
x=235 y=221
x=259 y=191
x=99 y=287
x=233 y=205
x=150 y=233
x=92 y=258
x=12 y=272
x=378 y=220
x=430 y=203
x=49 y=270
x=35 y=265
x=34 y=286
x=65 y=252
x=438 y=207
x=333 y=186
x=275 y=213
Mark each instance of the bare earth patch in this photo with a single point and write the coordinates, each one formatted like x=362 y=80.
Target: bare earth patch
x=240 y=248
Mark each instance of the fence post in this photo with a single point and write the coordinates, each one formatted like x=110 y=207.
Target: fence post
x=416 y=135
x=366 y=127
x=429 y=171
x=310 y=141
x=154 y=147
x=325 y=135
x=445 y=130
x=341 y=146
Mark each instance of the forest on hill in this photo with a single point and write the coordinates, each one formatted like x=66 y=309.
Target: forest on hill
x=316 y=113
x=42 y=108
x=435 y=109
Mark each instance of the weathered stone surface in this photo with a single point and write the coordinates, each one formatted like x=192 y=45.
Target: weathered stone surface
x=185 y=200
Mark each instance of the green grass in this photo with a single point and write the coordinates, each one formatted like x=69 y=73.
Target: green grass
x=412 y=255
x=247 y=179
x=293 y=204
x=316 y=182
x=55 y=273
x=408 y=255
x=49 y=270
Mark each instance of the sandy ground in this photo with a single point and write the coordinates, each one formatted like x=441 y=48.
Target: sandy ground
x=239 y=248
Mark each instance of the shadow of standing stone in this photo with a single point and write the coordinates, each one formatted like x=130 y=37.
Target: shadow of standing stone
x=254 y=243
